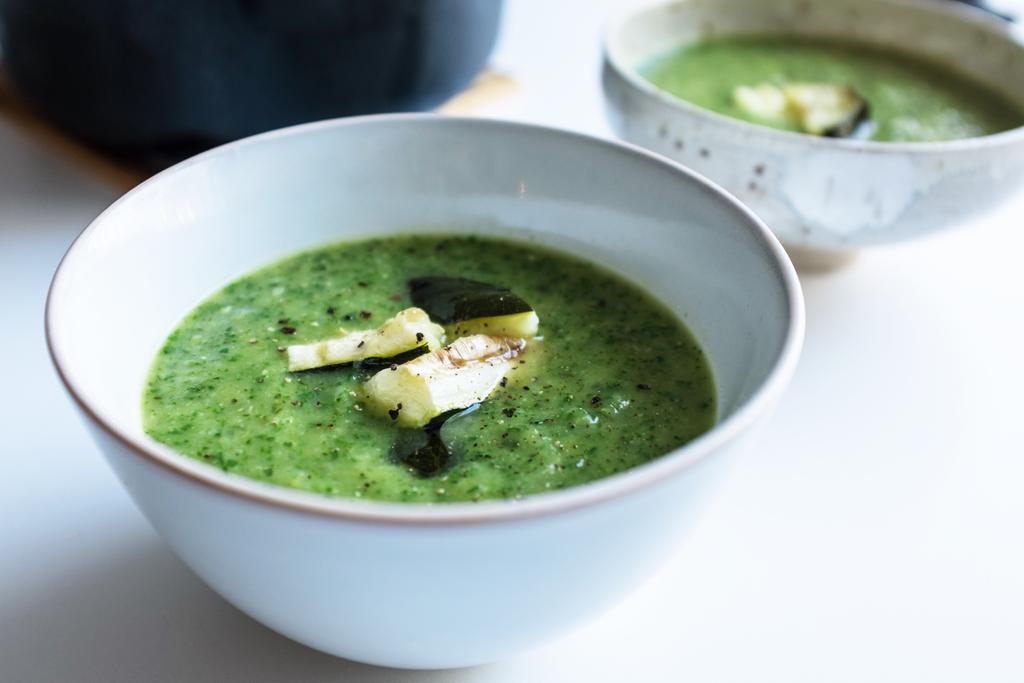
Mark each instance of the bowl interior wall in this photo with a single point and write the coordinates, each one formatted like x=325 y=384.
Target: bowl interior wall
x=978 y=46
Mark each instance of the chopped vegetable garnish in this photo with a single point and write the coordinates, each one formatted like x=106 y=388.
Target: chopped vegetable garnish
x=408 y=330
x=459 y=375
x=764 y=101
x=816 y=108
x=424 y=450
x=471 y=307
x=515 y=325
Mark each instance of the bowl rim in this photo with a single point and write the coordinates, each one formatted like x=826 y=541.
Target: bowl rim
x=456 y=513
x=968 y=14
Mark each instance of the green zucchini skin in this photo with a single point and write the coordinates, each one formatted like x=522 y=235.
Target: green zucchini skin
x=370 y=365
x=424 y=450
x=454 y=299
x=856 y=124
x=375 y=364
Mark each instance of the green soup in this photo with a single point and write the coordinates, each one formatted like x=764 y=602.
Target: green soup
x=612 y=381
x=909 y=99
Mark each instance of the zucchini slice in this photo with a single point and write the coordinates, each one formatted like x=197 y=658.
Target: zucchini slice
x=521 y=325
x=406 y=331
x=471 y=307
x=461 y=374
x=833 y=111
x=764 y=101
x=425 y=451
x=821 y=109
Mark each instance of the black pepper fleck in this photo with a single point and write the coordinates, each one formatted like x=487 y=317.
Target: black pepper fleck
x=330 y=310
x=508 y=412
x=643 y=387
x=287 y=330
x=419 y=338
x=594 y=400
x=363 y=284
x=365 y=315
x=504 y=381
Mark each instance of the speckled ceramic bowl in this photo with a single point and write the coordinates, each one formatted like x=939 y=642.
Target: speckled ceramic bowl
x=831 y=196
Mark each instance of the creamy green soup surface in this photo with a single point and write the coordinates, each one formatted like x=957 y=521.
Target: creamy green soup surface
x=909 y=99
x=613 y=379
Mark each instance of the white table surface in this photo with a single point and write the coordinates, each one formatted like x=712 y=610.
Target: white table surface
x=875 y=533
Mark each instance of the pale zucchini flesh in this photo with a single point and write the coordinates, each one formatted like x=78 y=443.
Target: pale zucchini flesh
x=822 y=109
x=409 y=329
x=523 y=325
x=765 y=101
x=465 y=372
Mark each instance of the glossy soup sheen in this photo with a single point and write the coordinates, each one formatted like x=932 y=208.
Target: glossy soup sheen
x=910 y=99
x=615 y=381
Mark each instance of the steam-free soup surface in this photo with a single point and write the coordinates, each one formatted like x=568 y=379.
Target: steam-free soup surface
x=910 y=99
x=615 y=381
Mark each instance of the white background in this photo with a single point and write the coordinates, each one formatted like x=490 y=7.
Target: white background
x=876 y=532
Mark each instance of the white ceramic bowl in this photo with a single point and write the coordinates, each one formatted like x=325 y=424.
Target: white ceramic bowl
x=820 y=193
x=415 y=585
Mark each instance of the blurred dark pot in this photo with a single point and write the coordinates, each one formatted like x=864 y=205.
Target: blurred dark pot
x=174 y=76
